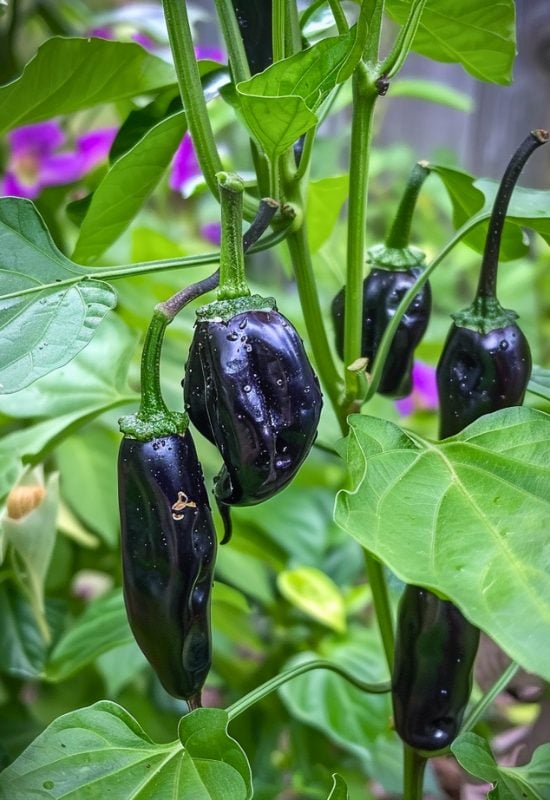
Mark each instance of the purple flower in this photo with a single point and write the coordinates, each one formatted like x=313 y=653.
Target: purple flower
x=212 y=232
x=424 y=391
x=35 y=160
x=185 y=168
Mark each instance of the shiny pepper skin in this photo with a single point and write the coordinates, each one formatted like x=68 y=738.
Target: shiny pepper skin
x=254 y=21
x=168 y=552
x=250 y=389
x=480 y=373
x=432 y=674
x=383 y=290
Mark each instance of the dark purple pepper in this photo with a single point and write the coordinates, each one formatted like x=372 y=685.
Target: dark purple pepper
x=383 y=290
x=249 y=388
x=168 y=547
x=435 y=648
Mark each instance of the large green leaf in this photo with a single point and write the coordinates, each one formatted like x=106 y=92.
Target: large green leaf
x=41 y=331
x=86 y=382
x=102 y=751
x=126 y=186
x=528 y=208
x=467 y=517
x=478 y=34
x=531 y=782
x=102 y=627
x=67 y=75
x=278 y=105
x=320 y=698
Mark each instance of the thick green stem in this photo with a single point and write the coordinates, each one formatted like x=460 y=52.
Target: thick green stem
x=181 y=44
x=339 y=16
x=487 y=286
x=313 y=317
x=382 y=608
x=364 y=99
x=233 y=39
x=232 y=275
x=400 y=232
x=414 y=766
x=152 y=404
x=271 y=685
x=293 y=34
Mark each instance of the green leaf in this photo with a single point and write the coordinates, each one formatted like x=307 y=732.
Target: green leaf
x=126 y=186
x=22 y=646
x=324 y=203
x=465 y=517
x=315 y=594
x=120 y=666
x=102 y=751
x=478 y=34
x=100 y=72
x=339 y=788
x=531 y=782
x=540 y=382
x=88 y=466
x=102 y=627
x=528 y=208
x=279 y=104
x=324 y=700
x=220 y=767
x=85 y=382
x=40 y=332
x=432 y=92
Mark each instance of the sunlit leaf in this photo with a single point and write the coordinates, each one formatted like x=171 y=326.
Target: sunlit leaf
x=315 y=594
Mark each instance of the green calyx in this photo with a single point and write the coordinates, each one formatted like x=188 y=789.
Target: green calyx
x=154 y=425
x=224 y=310
x=485 y=315
x=395 y=257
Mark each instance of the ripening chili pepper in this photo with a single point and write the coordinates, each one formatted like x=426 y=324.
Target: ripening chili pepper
x=249 y=386
x=168 y=540
x=395 y=266
x=435 y=649
x=486 y=362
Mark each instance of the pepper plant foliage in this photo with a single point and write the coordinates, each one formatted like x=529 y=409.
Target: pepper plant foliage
x=81 y=269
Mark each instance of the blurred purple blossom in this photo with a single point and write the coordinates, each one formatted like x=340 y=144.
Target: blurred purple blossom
x=35 y=160
x=424 y=392
x=212 y=232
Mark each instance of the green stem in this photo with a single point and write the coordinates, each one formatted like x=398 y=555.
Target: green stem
x=152 y=403
x=499 y=685
x=414 y=766
x=382 y=608
x=399 y=52
x=271 y=685
x=400 y=232
x=233 y=39
x=293 y=34
x=232 y=275
x=389 y=333
x=305 y=157
x=145 y=267
x=339 y=16
x=364 y=99
x=278 y=29
x=181 y=44
x=375 y=33
x=313 y=317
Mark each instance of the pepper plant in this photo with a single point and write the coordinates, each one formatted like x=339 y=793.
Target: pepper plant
x=359 y=546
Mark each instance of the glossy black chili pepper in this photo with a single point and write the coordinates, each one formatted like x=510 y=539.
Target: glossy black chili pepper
x=435 y=649
x=383 y=291
x=249 y=388
x=395 y=266
x=254 y=18
x=168 y=552
x=486 y=362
